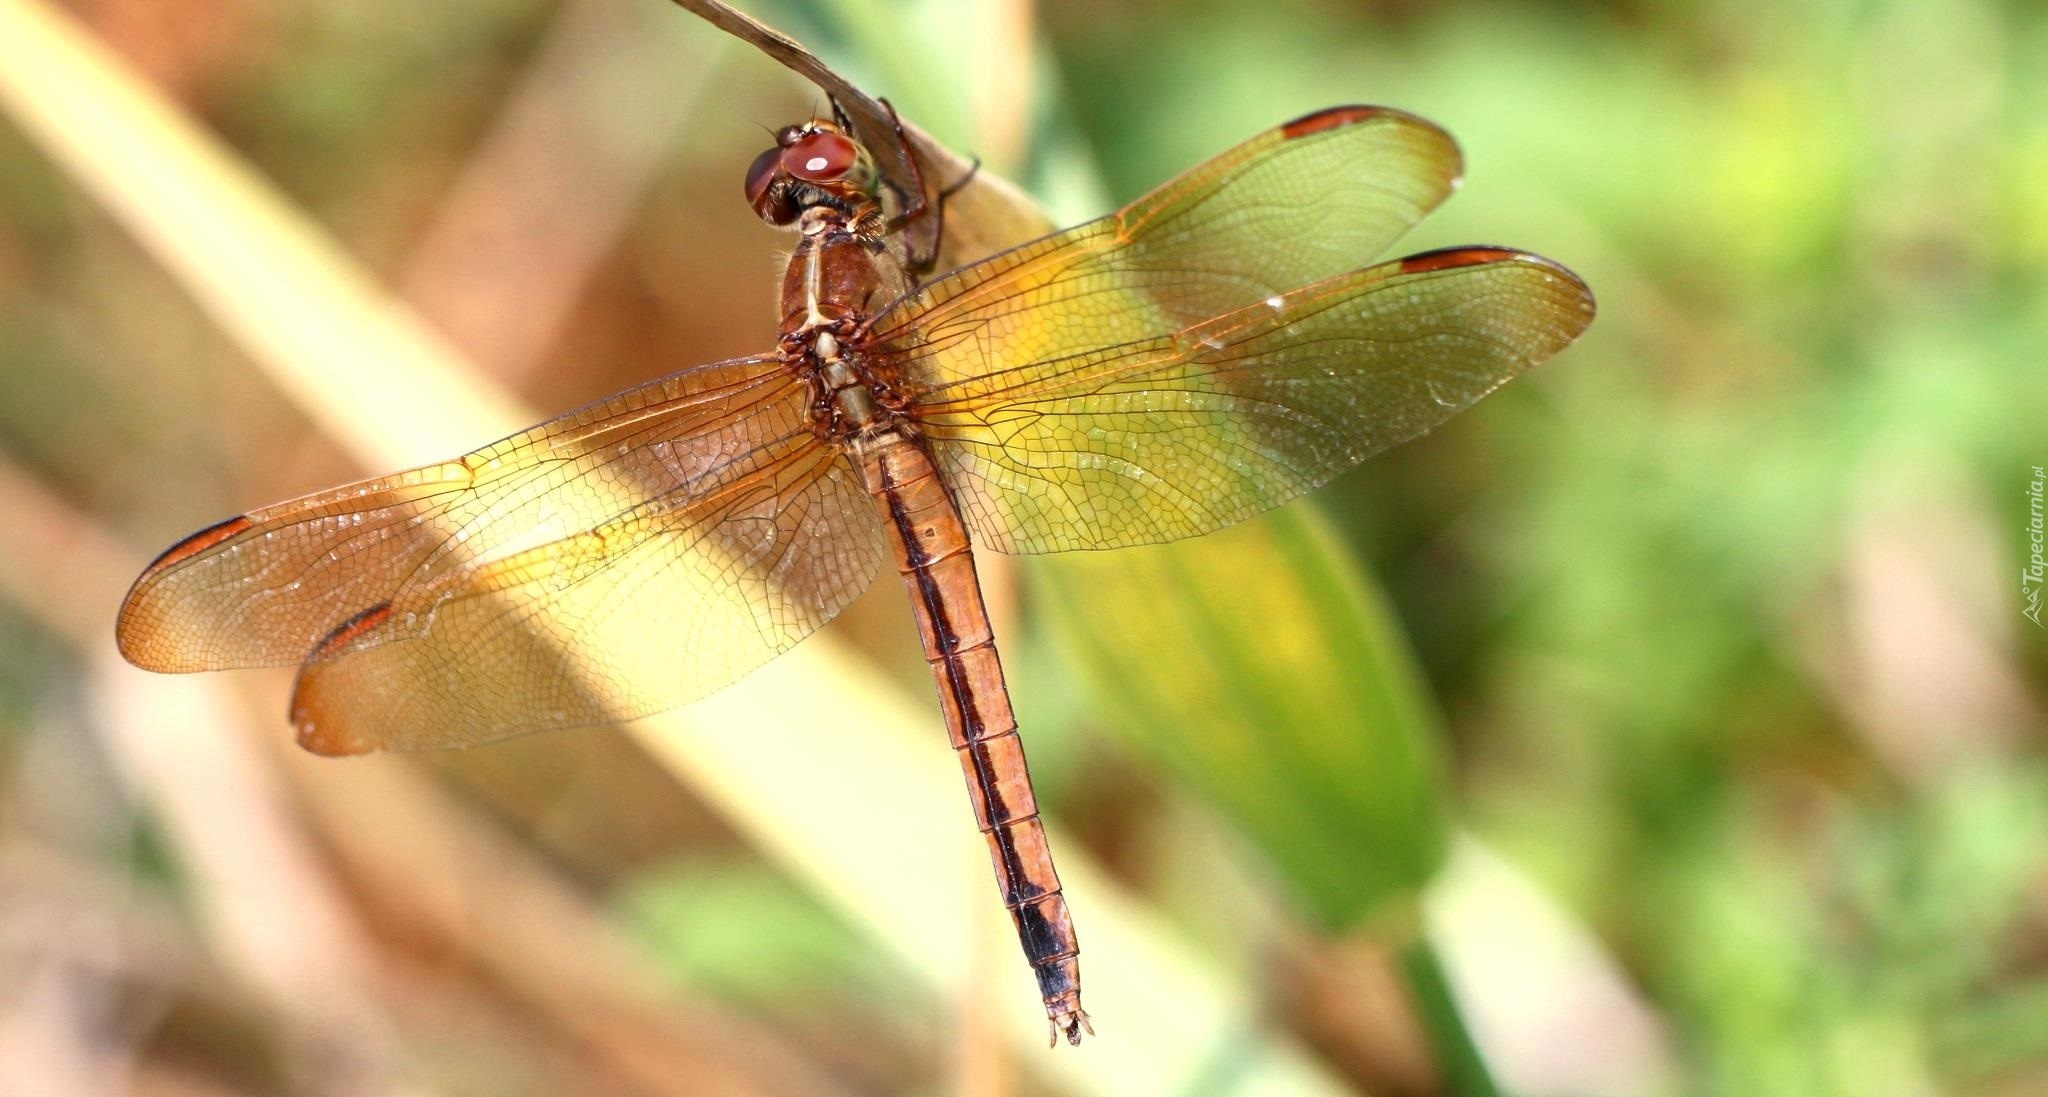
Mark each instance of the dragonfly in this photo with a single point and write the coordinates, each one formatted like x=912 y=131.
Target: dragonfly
x=1209 y=351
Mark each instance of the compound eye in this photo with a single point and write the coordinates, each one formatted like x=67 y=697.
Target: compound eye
x=820 y=157
x=760 y=174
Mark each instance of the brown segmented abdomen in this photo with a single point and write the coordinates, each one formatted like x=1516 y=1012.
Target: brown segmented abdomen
x=937 y=564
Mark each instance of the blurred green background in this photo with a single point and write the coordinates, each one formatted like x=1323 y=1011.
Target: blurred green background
x=1667 y=724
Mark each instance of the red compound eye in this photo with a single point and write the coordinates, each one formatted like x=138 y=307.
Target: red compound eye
x=820 y=157
x=760 y=174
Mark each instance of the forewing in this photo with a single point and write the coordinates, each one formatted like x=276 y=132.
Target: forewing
x=1297 y=204
x=671 y=538
x=1065 y=439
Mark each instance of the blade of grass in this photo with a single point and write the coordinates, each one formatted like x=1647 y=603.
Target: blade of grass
x=274 y=917
x=1262 y=668
x=774 y=753
x=555 y=179
x=1464 y=1070
x=416 y=848
x=259 y=266
x=1259 y=666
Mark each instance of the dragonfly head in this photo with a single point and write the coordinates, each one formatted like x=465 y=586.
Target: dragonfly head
x=812 y=164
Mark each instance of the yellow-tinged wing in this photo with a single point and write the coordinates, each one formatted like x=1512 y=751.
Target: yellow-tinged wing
x=671 y=537
x=1198 y=356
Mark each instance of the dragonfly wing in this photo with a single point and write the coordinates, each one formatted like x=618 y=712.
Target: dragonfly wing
x=1055 y=437
x=1297 y=204
x=669 y=538
x=1200 y=355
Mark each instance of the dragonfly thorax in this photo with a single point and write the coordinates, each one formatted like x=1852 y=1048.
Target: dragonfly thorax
x=839 y=277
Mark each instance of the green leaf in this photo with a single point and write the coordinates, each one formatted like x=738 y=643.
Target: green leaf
x=1262 y=668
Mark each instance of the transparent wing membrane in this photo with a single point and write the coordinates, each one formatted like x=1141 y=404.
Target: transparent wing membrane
x=671 y=538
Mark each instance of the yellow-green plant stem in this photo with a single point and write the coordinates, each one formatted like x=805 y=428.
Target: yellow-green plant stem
x=1436 y=1008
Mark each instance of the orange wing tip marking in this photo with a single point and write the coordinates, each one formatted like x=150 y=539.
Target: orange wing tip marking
x=138 y=633
x=1466 y=256
x=198 y=543
x=1330 y=118
x=349 y=631
x=1474 y=255
x=314 y=734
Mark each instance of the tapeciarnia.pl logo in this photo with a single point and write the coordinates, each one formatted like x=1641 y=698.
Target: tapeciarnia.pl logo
x=2036 y=571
